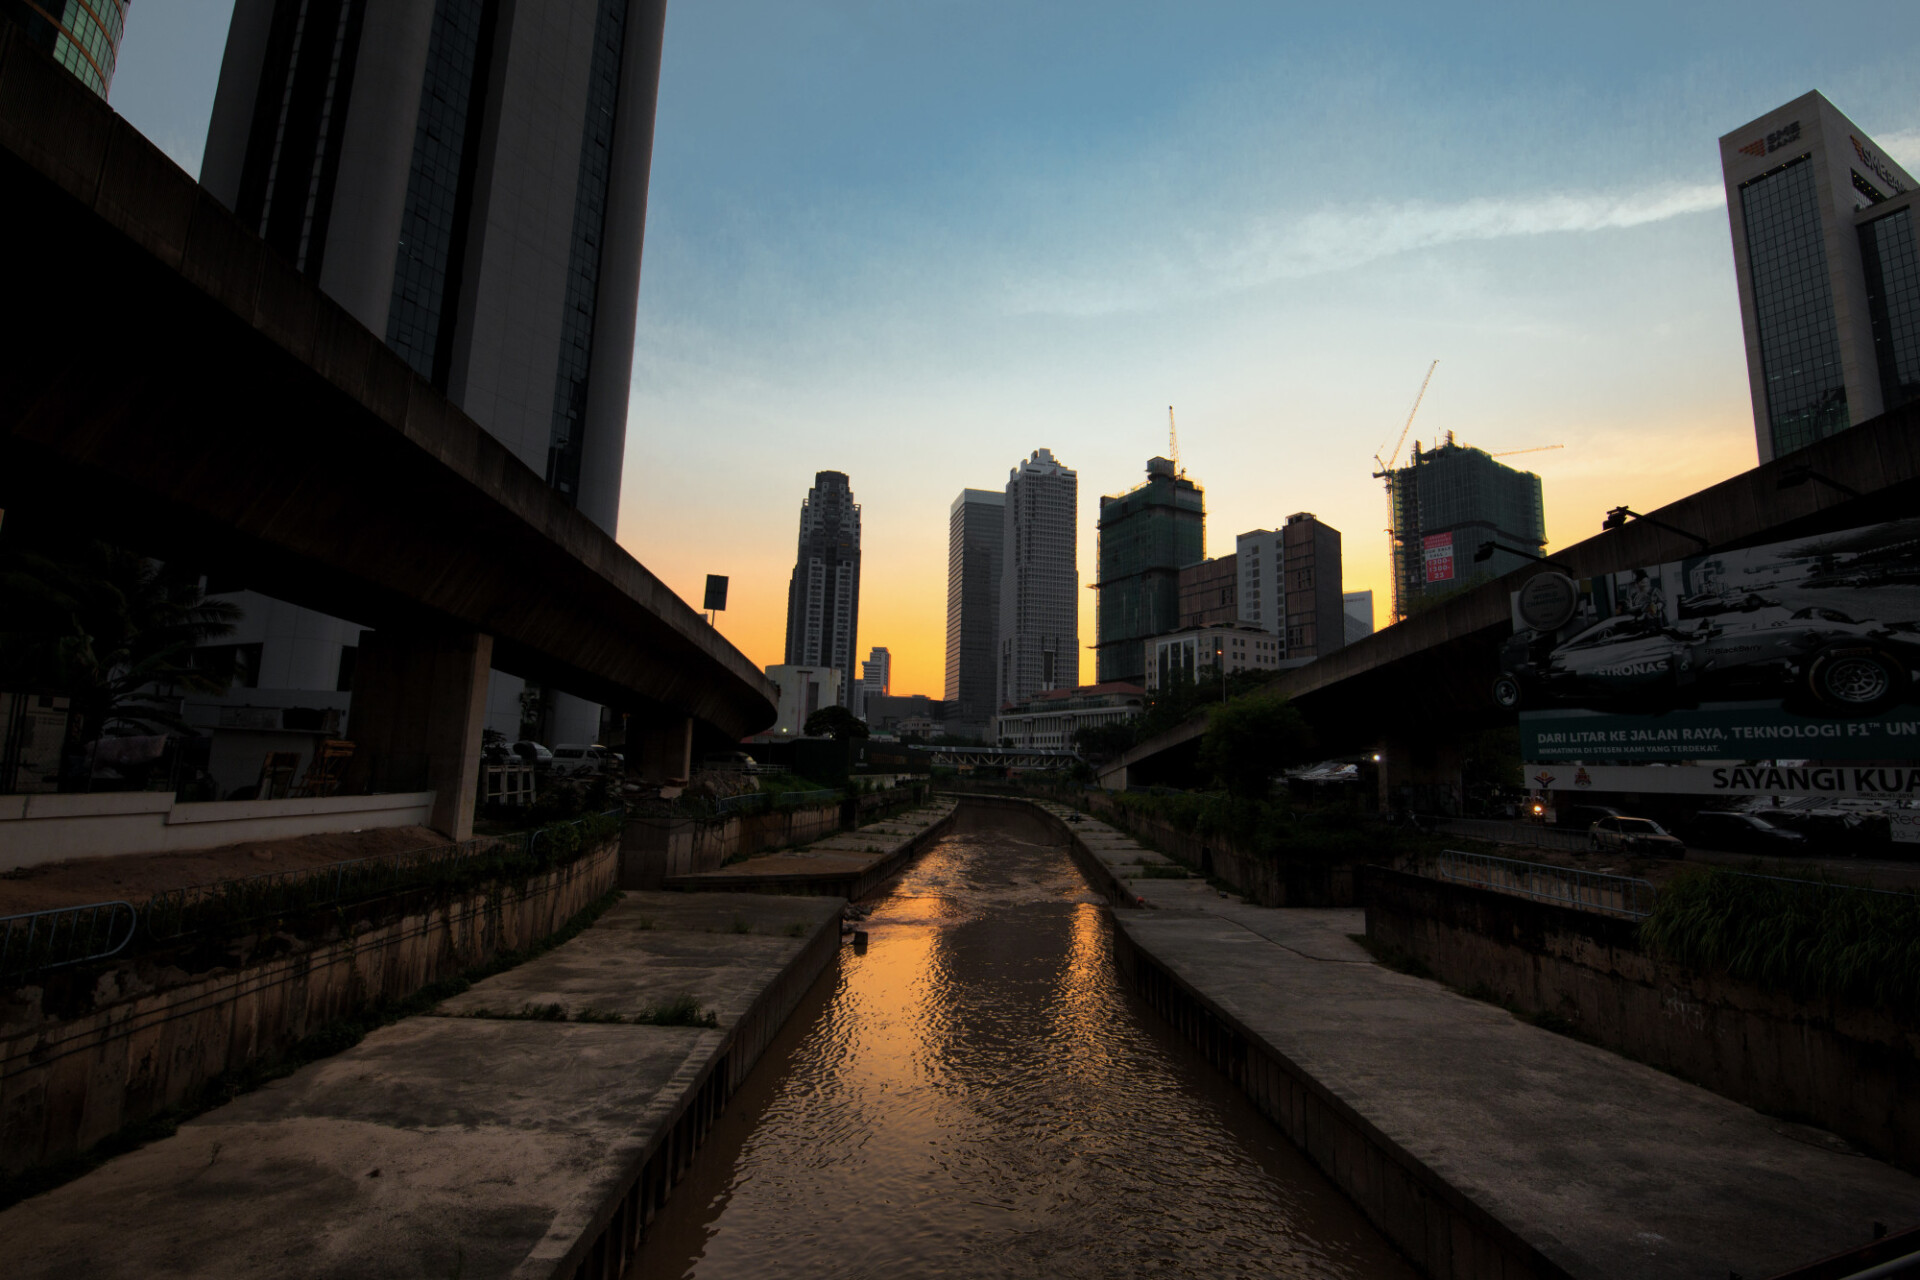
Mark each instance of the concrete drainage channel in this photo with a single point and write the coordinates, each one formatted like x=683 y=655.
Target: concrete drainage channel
x=529 y=1127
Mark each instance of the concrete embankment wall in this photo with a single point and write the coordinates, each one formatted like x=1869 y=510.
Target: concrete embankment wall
x=1268 y=881
x=65 y=1084
x=653 y=850
x=1444 y=1233
x=1850 y=1069
x=609 y=1245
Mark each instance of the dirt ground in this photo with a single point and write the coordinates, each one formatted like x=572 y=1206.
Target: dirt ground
x=136 y=877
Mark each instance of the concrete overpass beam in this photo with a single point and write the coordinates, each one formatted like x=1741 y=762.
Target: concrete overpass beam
x=419 y=702
x=663 y=750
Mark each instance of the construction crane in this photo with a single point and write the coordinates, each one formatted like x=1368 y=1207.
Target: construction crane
x=1386 y=466
x=1539 y=448
x=1173 y=443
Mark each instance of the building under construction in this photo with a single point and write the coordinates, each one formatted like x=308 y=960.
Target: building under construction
x=1147 y=535
x=1444 y=506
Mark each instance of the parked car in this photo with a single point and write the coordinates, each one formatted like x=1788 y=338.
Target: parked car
x=1737 y=832
x=1635 y=835
x=573 y=759
x=1581 y=817
x=530 y=752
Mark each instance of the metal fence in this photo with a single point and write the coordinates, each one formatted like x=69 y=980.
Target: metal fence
x=1533 y=835
x=1625 y=896
x=65 y=935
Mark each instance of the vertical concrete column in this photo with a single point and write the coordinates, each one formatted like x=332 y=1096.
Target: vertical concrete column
x=664 y=750
x=419 y=701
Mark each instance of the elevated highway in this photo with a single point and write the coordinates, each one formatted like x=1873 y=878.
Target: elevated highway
x=172 y=384
x=1412 y=691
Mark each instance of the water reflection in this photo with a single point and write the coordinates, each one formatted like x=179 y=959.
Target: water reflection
x=976 y=1096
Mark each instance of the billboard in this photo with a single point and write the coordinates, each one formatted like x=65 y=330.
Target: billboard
x=1808 y=648
x=1438 y=550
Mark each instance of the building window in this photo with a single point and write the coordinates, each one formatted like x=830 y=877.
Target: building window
x=1806 y=395
x=1892 y=261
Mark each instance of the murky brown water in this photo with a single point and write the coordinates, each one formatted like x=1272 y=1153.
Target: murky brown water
x=977 y=1096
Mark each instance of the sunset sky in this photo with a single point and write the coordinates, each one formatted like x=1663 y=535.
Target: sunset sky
x=914 y=242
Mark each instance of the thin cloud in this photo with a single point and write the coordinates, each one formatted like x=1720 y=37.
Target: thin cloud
x=1264 y=250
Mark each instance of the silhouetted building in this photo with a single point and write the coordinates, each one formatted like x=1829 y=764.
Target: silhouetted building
x=876 y=678
x=1147 y=535
x=82 y=35
x=469 y=180
x=976 y=539
x=1444 y=506
x=1825 y=252
x=1039 y=580
x=823 y=596
x=1316 y=613
x=1210 y=592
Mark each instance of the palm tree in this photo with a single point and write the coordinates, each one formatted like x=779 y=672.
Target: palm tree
x=111 y=630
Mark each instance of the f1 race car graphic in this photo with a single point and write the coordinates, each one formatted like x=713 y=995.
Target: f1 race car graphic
x=1821 y=660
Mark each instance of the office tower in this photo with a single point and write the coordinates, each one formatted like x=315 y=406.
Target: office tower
x=1359 y=610
x=1316 y=614
x=1147 y=535
x=82 y=35
x=876 y=678
x=823 y=597
x=1039 y=645
x=1825 y=253
x=469 y=180
x=1444 y=507
x=976 y=537
x=1210 y=591
x=1261 y=560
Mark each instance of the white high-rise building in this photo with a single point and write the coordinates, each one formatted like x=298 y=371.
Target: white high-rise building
x=1039 y=645
x=1828 y=263
x=1262 y=561
x=876 y=679
x=1358 y=607
x=469 y=180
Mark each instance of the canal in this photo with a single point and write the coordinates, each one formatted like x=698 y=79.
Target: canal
x=976 y=1095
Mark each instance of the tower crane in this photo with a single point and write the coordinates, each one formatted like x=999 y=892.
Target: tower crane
x=1386 y=467
x=1173 y=443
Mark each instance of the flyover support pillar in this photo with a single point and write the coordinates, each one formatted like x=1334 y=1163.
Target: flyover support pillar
x=419 y=701
x=665 y=754
x=1423 y=775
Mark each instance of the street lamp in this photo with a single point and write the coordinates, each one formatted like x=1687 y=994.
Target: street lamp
x=1798 y=474
x=1617 y=518
x=1485 y=553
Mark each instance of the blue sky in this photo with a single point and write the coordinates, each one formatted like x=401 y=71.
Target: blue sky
x=916 y=241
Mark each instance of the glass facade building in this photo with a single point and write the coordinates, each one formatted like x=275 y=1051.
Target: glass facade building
x=1823 y=248
x=1147 y=535
x=975 y=546
x=1806 y=391
x=82 y=35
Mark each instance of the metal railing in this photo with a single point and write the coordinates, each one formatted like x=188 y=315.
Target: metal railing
x=1625 y=896
x=751 y=802
x=64 y=935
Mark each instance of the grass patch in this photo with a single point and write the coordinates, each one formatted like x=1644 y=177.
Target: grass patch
x=1817 y=937
x=682 y=1012
x=330 y=1039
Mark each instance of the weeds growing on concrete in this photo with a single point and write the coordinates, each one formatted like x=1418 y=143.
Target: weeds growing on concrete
x=1817 y=936
x=682 y=1012
x=741 y=925
x=798 y=929
x=330 y=1039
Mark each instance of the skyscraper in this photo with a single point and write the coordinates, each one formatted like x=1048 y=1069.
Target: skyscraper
x=82 y=35
x=1260 y=557
x=1316 y=616
x=876 y=678
x=1825 y=251
x=1039 y=646
x=976 y=537
x=1443 y=506
x=823 y=597
x=1147 y=535
x=469 y=179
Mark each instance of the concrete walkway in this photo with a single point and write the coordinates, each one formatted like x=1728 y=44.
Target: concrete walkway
x=849 y=864
x=478 y=1141
x=1604 y=1167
